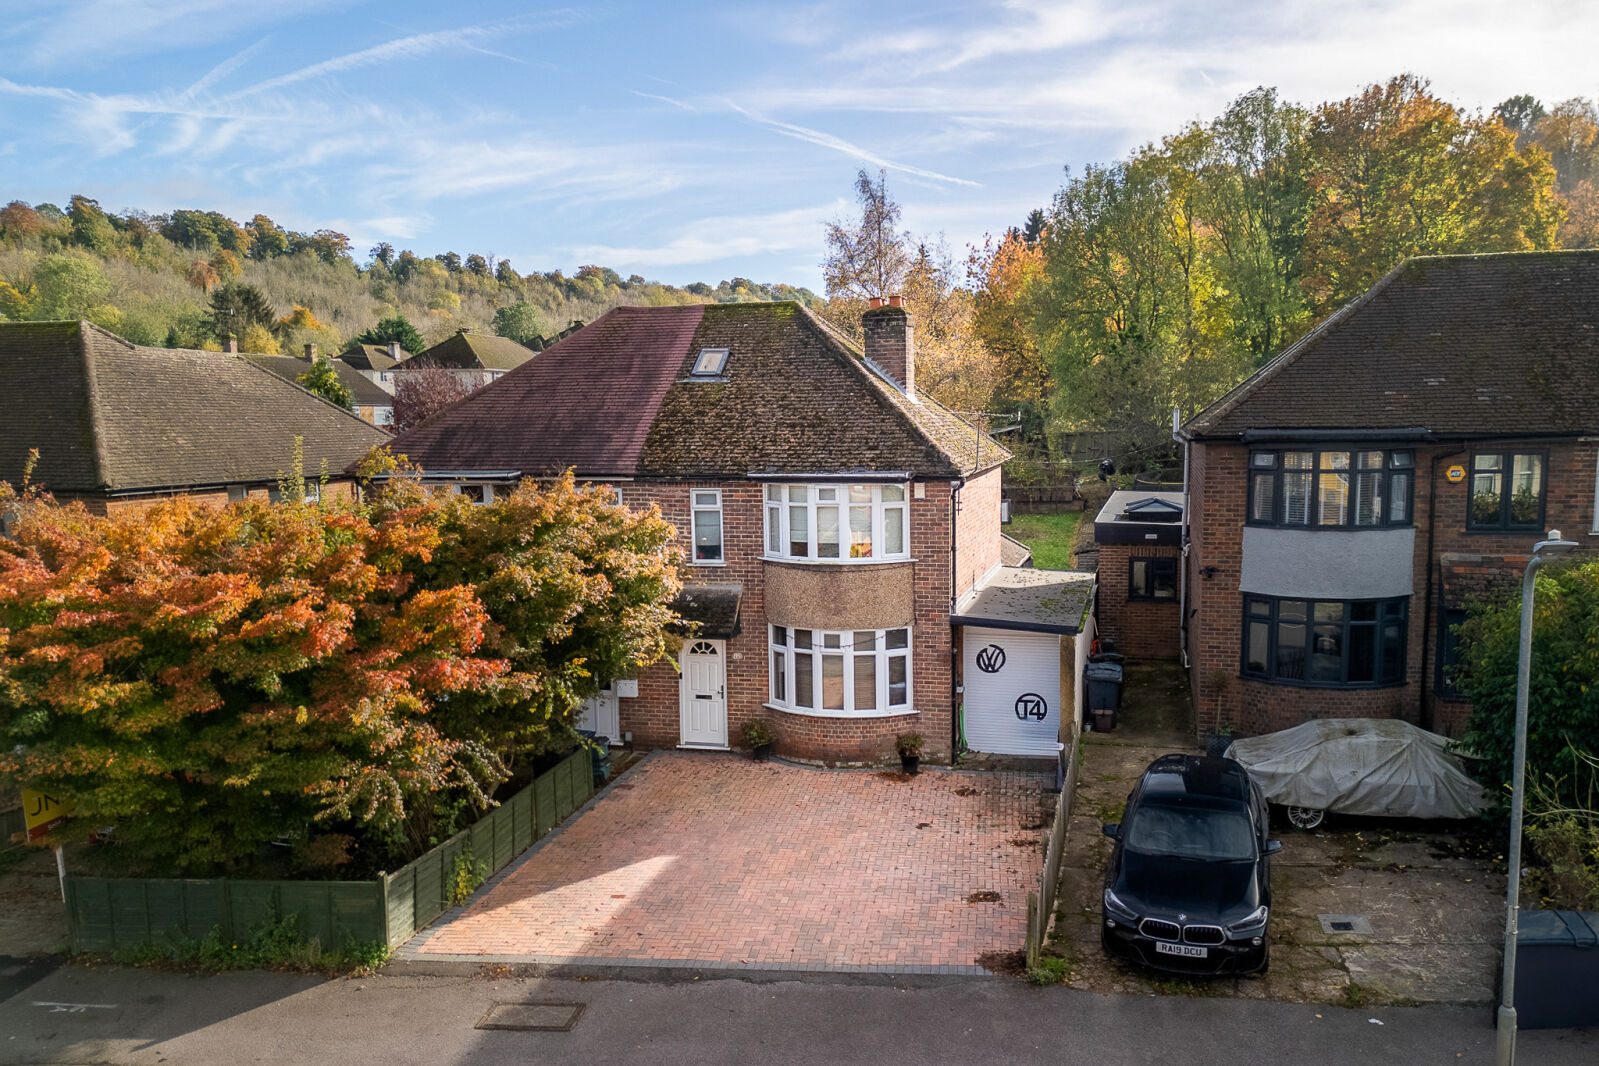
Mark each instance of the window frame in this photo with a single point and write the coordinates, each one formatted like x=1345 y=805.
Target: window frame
x=778 y=505
x=781 y=664
x=1392 y=466
x=1154 y=563
x=695 y=509
x=1507 y=465
x=1347 y=622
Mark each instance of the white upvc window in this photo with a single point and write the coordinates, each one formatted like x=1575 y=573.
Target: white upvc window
x=482 y=493
x=854 y=673
x=705 y=520
x=837 y=522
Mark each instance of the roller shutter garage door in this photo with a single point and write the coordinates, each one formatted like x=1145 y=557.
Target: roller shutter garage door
x=1012 y=696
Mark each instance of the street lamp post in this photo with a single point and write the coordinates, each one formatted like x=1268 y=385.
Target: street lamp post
x=1542 y=552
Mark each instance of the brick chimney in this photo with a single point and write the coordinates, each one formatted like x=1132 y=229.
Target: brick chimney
x=891 y=342
x=230 y=345
x=310 y=353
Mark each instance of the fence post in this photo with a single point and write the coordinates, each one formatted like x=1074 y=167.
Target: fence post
x=1035 y=936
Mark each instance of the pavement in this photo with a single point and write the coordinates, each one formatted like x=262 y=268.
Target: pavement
x=33 y=920
x=695 y=859
x=144 y=1018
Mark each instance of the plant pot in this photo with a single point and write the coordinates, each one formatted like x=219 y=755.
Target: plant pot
x=762 y=752
x=910 y=763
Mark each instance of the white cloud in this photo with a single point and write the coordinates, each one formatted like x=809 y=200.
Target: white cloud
x=723 y=237
x=838 y=144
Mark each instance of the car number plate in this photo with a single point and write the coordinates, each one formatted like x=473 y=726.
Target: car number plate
x=1186 y=950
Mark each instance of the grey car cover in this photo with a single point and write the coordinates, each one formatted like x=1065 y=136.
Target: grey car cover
x=1369 y=766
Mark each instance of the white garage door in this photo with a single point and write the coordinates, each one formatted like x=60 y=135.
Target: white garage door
x=1012 y=691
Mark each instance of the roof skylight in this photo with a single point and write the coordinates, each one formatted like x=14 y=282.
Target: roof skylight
x=710 y=363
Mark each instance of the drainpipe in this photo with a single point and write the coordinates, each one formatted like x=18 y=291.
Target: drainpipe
x=1424 y=712
x=1182 y=562
x=954 y=598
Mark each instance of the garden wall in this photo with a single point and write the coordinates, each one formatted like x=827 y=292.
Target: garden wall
x=115 y=913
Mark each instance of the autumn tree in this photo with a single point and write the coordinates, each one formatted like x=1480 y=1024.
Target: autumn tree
x=520 y=322
x=422 y=390
x=17 y=219
x=202 y=275
x=870 y=255
x=323 y=380
x=999 y=276
x=1398 y=172
x=353 y=680
x=69 y=285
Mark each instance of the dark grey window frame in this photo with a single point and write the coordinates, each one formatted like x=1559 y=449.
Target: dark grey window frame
x=1346 y=624
x=1507 y=456
x=1449 y=651
x=1279 y=504
x=1167 y=563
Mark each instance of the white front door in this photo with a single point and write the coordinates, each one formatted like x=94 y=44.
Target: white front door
x=704 y=694
x=602 y=714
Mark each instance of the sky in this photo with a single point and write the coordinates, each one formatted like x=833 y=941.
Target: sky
x=686 y=142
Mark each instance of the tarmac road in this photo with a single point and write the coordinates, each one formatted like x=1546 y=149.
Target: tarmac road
x=80 y=1016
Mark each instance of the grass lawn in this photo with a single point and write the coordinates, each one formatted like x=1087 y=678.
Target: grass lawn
x=1049 y=535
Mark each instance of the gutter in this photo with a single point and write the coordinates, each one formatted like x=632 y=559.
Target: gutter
x=955 y=730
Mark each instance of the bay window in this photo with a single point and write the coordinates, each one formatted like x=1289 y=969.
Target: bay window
x=836 y=522
x=854 y=672
x=1330 y=488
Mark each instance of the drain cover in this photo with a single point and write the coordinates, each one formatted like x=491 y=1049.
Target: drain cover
x=532 y=1017
x=1352 y=924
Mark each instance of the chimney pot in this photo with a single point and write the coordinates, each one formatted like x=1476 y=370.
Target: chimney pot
x=310 y=353
x=230 y=345
x=894 y=301
x=891 y=344
x=875 y=303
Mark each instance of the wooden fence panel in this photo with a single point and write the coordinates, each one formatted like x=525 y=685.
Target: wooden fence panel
x=106 y=914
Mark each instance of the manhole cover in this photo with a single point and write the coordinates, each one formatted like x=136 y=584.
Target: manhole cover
x=1349 y=924
x=532 y=1017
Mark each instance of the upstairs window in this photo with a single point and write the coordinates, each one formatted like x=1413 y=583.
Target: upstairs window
x=1334 y=488
x=1507 y=491
x=707 y=524
x=837 y=523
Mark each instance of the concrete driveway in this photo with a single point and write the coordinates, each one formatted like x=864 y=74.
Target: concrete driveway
x=715 y=861
x=1426 y=903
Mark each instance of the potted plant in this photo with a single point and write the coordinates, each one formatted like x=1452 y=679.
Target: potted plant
x=910 y=751
x=758 y=735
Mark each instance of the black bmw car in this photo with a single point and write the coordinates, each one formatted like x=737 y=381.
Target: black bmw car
x=1189 y=884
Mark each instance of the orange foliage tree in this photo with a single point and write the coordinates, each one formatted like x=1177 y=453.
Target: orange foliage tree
x=348 y=679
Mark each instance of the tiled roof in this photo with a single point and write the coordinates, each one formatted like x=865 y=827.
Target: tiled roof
x=289 y=367
x=1457 y=345
x=714 y=607
x=110 y=416
x=1013 y=552
x=477 y=351
x=615 y=398
x=372 y=357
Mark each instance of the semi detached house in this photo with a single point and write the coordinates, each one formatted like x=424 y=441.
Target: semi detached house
x=841 y=530
x=1348 y=502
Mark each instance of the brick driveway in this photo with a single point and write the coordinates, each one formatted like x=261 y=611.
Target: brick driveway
x=715 y=859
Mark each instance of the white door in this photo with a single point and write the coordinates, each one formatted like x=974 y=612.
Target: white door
x=1012 y=691
x=602 y=714
x=704 y=695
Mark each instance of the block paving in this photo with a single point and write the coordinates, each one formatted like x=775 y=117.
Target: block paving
x=698 y=858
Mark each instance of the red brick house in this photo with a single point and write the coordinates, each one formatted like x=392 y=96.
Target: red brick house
x=1347 y=501
x=1139 y=536
x=833 y=515
x=120 y=425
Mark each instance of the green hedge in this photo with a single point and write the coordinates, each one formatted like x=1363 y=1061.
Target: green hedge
x=115 y=913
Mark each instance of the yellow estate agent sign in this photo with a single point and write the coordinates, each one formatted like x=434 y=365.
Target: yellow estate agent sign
x=42 y=813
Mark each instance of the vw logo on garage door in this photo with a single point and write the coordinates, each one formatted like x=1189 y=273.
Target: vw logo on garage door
x=1030 y=705
x=991 y=659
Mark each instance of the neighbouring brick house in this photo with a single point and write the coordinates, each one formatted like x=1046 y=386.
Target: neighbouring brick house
x=375 y=362
x=832 y=515
x=475 y=358
x=1139 y=536
x=1350 y=499
x=119 y=425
